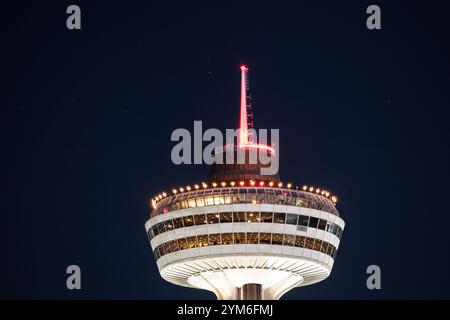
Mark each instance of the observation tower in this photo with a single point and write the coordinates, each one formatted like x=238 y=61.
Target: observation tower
x=241 y=234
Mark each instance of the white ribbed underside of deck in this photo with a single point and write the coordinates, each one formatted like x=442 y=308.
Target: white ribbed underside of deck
x=223 y=275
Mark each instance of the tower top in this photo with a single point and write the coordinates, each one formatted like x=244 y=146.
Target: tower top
x=245 y=169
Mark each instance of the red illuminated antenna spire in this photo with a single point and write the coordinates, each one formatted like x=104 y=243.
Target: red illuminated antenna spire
x=245 y=135
x=245 y=108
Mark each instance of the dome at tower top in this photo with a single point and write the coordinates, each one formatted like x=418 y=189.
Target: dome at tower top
x=244 y=163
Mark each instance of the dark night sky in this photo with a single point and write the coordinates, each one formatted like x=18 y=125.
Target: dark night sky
x=88 y=116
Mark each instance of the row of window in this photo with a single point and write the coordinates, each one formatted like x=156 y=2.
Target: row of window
x=244 y=195
x=301 y=221
x=245 y=238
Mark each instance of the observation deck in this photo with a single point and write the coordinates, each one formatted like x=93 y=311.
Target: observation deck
x=222 y=238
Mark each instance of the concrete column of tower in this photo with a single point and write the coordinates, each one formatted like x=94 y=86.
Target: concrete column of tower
x=251 y=291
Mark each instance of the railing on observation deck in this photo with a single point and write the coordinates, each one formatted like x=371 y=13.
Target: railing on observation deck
x=250 y=195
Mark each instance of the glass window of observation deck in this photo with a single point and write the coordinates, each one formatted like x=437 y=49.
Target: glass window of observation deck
x=182 y=244
x=329 y=249
x=253 y=216
x=266 y=217
x=227 y=238
x=200 y=219
x=184 y=204
x=161 y=227
x=214 y=239
x=150 y=234
x=288 y=240
x=176 y=206
x=309 y=243
x=333 y=228
x=300 y=241
x=252 y=237
x=322 y=224
x=277 y=238
x=239 y=217
x=168 y=225
x=264 y=238
x=228 y=198
x=329 y=226
x=209 y=201
x=167 y=247
x=200 y=202
x=240 y=238
x=178 y=223
x=173 y=245
x=317 y=244
x=313 y=222
x=203 y=240
x=218 y=200
x=226 y=217
x=303 y=220
x=213 y=218
x=324 y=247
x=188 y=221
x=291 y=219
x=261 y=198
x=191 y=203
x=192 y=242
x=339 y=232
x=279 y=217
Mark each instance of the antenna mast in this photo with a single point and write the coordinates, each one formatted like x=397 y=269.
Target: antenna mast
x=246 y=116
